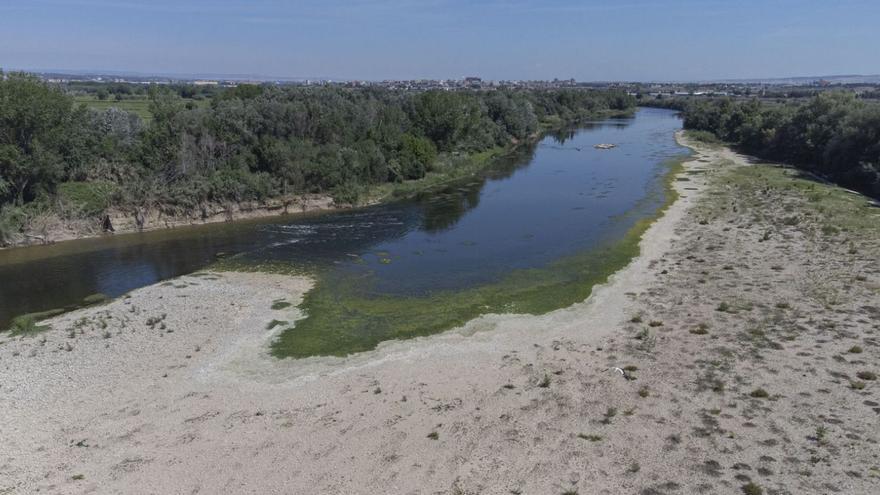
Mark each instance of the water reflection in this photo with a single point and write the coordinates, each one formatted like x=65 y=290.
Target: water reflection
x=545 y=201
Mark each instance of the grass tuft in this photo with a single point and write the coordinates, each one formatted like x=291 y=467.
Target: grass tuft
x=759 y=393
x=751 y=488
x=867 y=375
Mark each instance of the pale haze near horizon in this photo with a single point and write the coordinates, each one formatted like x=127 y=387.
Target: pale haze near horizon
x=399 y=39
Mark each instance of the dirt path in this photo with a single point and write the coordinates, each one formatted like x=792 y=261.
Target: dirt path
x=753 y=281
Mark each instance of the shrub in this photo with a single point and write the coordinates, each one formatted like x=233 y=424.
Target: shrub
x=592 y=438
x=348 y=193
x=867 y=375
x=26 y=324
x=704 y=137
x=701 y=329
x=11 y=219
x=759 y=393
x=545 y=382
x=751 y=488
x=85 y=198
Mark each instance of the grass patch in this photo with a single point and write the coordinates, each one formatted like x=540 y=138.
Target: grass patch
x=86 y=198
x=704 y=137
x=137 y=105
x=26 y=324
x=847 y=212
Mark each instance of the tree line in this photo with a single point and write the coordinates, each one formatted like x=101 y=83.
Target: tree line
x=834 y=134
x=251 y=143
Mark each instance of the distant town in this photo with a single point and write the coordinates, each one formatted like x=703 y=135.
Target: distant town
x=864 y=86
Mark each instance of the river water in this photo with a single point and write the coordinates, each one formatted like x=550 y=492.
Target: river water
x=558 y=197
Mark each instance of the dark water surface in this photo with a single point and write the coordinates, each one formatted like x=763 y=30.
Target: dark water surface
x=553 y=199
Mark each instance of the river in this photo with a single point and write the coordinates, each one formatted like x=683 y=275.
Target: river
x=544 y=202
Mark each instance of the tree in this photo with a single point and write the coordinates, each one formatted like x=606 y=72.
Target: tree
x=415 y=156
x=444 y=117
x=34 y=120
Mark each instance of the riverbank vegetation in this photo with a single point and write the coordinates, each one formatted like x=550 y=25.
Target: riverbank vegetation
x=834 y=134
x=249 y=143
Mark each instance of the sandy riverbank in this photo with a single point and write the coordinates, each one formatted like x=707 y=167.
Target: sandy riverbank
x=170 y=390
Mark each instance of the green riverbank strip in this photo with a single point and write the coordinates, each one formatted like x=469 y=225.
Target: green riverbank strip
x=341 y=320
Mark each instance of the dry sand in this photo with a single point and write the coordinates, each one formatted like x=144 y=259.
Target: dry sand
x=191 y=403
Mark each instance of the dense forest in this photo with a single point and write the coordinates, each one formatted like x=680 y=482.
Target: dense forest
x=249 y=143
x=833 y=134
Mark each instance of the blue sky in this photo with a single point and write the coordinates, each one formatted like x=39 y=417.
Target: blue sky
x=494 y=39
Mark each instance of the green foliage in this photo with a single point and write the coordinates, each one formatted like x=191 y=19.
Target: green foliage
x=33 y=137
x=446 y=118
x=348 y=193
x=27 y=324
x=10 y=223
x=751 y=488
x=704 y=137
x=192 y=146
x=833 y=134
x=415 y=157
x=89 y=198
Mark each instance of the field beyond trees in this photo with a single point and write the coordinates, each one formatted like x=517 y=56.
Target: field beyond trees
x=76 y=155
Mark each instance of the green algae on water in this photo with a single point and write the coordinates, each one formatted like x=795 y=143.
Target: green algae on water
x=343 y=319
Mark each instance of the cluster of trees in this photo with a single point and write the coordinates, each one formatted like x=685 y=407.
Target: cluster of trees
x=252 y=142
x=833 y=134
